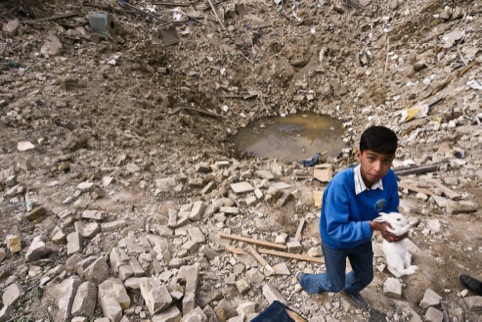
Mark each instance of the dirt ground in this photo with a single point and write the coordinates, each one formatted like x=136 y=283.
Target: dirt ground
x=127 y=103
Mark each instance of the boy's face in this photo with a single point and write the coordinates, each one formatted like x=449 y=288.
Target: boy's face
x=374 y=166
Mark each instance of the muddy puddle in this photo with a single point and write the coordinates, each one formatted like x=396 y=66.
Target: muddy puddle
x=293 y=138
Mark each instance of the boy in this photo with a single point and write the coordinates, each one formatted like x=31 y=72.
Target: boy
x=351 y=201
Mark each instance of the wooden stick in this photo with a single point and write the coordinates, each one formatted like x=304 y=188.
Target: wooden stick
x=216 y=14
x=67 y=15
x=235 y=250
x=195 y=110
x=254 y=241
x=260 y=259
x=301 y=257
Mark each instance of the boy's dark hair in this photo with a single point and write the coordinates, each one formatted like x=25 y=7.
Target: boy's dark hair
x=379 y=139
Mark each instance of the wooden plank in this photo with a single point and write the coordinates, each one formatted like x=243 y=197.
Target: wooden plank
x=300 y=228
x=260 y=259
x=235 y=250
x=404 y=185
x=301 y=257
x=254 y=241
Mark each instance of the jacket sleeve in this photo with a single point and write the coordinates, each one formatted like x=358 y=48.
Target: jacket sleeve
x=337 y=215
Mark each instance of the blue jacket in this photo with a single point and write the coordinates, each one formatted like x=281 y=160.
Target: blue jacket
x=345 y=216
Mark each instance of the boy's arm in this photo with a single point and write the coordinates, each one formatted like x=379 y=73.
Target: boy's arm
x=337 y=215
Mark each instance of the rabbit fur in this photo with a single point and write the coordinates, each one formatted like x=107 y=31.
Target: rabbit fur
x=397 y=255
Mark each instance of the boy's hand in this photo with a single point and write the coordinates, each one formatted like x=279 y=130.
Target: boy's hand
x=386 y=234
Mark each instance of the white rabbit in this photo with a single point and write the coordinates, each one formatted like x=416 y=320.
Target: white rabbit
x=397 y=255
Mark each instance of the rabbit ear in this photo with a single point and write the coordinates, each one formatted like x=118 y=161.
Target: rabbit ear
x=382 y=217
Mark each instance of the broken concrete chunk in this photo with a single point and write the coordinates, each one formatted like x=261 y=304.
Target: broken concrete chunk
x=93 y=215
x=474 y=303
x=74 y=243
x=113 y=298
x=272 y=294
x=433 y=315
x=392 y=288
x=155 y=295
x=63 y=295
x=113 y=225
x=172 y=314
x=98 y=271
x=51 y=46
x=36 y=213
x=37 y=250
x=165 y=184
x=13 y=243
x=430 y=298
x=12 y=294
x=85 y=300
x=197 y=210
x=242 y=187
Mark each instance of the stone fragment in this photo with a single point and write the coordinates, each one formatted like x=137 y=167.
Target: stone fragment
x=191 y=275
x=392 y=288
x=10 y=28
x=197 y=210
x=85 y=300
x=13 y=243
x=229 y=210
x=196 y=315
x=36 y=213
x=37 y=250
x=433 y=315
x=165 y=184
x=272 y=294
x=98 y=271
x=91 y=230
x=12 y=294
x=136 y=267
x=85 y=186
x=474 y=303
x=63 y=295
x=58 y=236
x=172 y=314
x=113 y=225
x=93 y=215
x=430 y=298
x=242 y=187
x=462 y=206
x=162 y=230
x=264 y=174
x=224 y=310
x=281 y=269
x=196 y=235
x=113 y=299
x=134 y=282
x=294 y=246
x=203 y=167
x=155 y=295
x=125 y=271
x=246 y=308
x=117 y=258
x=242 y=285
x=258 y=193
x=3 y=254
x=74 y=243
x=171 y=222
x=5 y=313
x=51 y=46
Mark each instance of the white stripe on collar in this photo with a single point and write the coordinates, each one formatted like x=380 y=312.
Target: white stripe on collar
x=360 y=184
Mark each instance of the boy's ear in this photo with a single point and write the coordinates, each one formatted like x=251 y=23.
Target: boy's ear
x=358 y=154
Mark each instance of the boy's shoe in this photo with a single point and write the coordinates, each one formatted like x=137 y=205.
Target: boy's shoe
x=471 y=283
x=298 y=275
x=356 y=300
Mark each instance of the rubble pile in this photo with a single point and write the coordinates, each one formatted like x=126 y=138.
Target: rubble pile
x=123 y=198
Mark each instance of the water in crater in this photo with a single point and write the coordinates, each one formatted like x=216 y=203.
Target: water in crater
x=292 y=138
